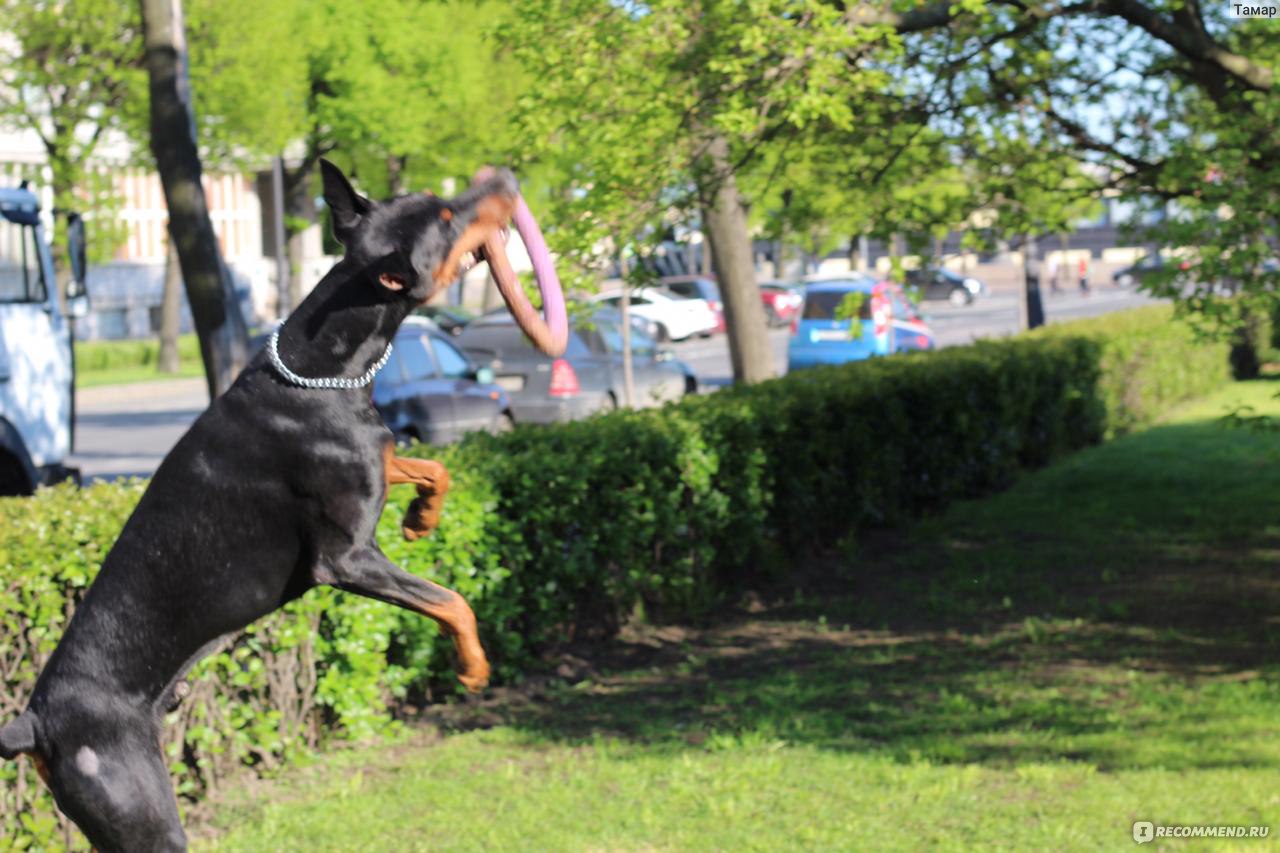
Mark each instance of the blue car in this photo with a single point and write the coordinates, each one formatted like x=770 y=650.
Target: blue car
x=429 y=391
x=853 y=318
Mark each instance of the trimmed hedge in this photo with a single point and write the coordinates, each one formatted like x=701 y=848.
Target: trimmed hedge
x=560 y=533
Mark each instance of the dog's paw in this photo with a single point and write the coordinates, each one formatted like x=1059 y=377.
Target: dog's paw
x=476 y=675
x=423 y=515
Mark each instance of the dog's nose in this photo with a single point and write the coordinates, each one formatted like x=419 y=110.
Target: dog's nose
x=491 y=181
x=507 y=180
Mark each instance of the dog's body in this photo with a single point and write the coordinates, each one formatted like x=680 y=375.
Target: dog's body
x=275 y=489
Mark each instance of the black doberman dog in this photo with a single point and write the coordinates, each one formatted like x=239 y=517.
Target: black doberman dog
x=275 y=489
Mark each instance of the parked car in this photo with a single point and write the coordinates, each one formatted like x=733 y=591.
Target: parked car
x=698 y=287
x=938 y=283
x=451 y=319
x=586 y=379
x=782 y=302
x=852 y=319
x=674 y=318
x=1145 y=266
x=429 y=391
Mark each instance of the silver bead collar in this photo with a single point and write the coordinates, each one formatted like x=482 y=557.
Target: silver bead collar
x=273 y=353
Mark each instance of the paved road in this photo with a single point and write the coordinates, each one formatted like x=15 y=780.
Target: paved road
x=995 y=316
x=126 y=430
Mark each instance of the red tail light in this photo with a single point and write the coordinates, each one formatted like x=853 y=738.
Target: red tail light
x=880 y=314
x=564 y=379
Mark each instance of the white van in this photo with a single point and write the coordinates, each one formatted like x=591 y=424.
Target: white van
x=37 y=363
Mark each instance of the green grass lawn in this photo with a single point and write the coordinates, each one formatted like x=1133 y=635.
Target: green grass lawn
x=126 y=362
x=1098 y=645
x=129 y=374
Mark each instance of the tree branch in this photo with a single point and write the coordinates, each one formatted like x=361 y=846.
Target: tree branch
x=1195 y=44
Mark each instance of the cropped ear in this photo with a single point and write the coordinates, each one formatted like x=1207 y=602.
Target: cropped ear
x=346 y=206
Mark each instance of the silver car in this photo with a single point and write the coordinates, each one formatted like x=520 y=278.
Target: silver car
x=586 y=379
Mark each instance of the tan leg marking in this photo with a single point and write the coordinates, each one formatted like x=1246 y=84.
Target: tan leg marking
x=42 y=769
x=459 y=622
x=432 y=482
x=454 y=614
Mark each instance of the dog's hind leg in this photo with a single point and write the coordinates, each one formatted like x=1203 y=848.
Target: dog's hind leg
x=368 y=572
x=118 y=793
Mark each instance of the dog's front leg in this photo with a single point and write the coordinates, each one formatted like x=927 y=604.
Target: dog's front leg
x=432 y=482
x=368 y=572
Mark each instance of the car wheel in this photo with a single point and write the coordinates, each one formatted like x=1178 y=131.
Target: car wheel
x=1125 y=280
x=690 y=386
x=504 y=424
x=13 y=479
x=661 y=333
x=959 y=297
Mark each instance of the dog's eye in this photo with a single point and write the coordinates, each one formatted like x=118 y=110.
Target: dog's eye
x=392 y=281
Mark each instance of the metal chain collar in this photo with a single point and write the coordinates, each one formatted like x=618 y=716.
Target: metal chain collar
x=273 y=353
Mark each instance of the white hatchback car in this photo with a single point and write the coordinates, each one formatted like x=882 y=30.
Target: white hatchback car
x=673 y=317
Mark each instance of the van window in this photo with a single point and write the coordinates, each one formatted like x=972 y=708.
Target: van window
x=823 y=305
x=21 y=273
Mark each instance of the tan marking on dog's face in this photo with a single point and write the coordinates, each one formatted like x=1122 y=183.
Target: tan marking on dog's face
x=492 y=214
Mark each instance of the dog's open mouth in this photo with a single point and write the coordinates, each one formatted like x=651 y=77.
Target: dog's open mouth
x=484 y=239
x=470 y=259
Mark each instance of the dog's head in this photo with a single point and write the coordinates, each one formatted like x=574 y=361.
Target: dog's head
x=411 y=246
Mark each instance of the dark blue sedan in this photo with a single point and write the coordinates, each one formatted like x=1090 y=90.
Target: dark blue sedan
x=429 y=391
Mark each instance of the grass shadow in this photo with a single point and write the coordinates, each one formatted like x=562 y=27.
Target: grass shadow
x=1117 y=609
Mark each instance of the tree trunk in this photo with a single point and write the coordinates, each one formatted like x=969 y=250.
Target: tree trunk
x=284 y=275
x=210 y=291
x=1031 y=305
x=63 y=189
x=749 y=347
x=396 y=164
x=170 y=312
x=628 y=364
x=300 y=214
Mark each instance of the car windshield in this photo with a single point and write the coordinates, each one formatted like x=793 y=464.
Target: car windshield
x=697 y=289
x=452 y=364
x=610 y=332
x=825 y=304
